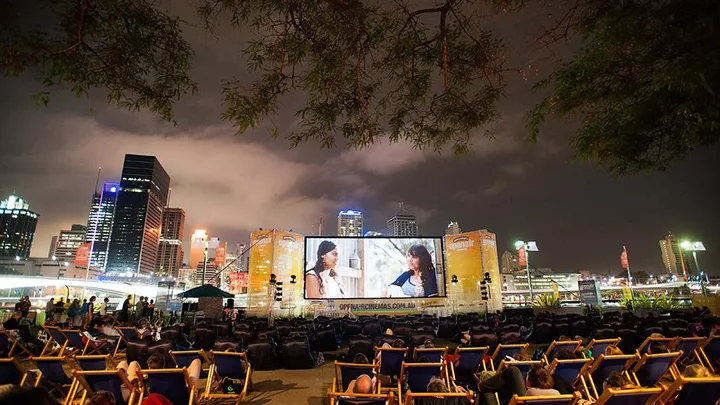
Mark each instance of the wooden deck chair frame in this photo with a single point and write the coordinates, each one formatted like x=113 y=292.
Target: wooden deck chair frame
x=410 y=396
x=614 y=342
x=417 y=352
x=48 y=350
x=516 y=399
x=703 y=357
x=674 y=389
x=55 y=386
x=81 y=383
x=16 y=364
x=522 y=346
x=614 y=392
x=582 y=376
x=559 y=343
x=15 y=344
x=668 y=342
x=94 y=350
x=191 y=390
x=202 y=354
x=699 y=340
x=213 y=373
x=672 y=368
x=378 y=356
x=338 y=377
x=405 y=366
x=388 y=396
x=507 y=363
x=76 y=364
x=122 y=338
x=630 y=359
x=483 y=349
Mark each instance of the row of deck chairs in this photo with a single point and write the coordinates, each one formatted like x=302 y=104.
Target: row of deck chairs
x=90 y=374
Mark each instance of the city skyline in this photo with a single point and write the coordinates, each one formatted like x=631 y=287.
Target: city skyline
x=578 y=214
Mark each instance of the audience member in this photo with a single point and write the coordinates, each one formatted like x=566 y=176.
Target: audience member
x=102 y=398
x=613 y=351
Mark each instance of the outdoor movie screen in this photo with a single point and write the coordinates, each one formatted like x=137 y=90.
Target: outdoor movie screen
x=373 y=267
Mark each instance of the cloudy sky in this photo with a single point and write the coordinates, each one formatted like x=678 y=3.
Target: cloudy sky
x=231 y=185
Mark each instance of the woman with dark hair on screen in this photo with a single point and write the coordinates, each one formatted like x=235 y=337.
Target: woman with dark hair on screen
x=321 y=280
x=419 y=280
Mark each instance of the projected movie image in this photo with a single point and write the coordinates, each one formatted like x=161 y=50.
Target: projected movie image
x=342 y=268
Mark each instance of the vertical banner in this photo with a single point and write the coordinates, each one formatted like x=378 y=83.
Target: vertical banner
x=220 y=255
x=624 y=259
x=463 y=261
x=259 y=269
x=491 y=264
x=238 y=283
x=522 y=257
x=82 y=256
x=288 y=261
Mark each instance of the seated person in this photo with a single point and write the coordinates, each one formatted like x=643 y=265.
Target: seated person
x=615 y=379
x=362 y=385
x=613 y=351
x=509 y=381
x=157 y=361
x=102 y=398
x=13 y=322
x=360 y=358
x=438 y=385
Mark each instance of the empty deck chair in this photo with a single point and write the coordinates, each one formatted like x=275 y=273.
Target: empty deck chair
x=434 y=355
x=604 y=365
x=599 y=346
x=172 y=383
x=502 y=352
x=125 y=334
x=346 y=372
x=545 y=400
x=692 y=391
x=55 y=337
x=93 y=362
x=688 y=346
x=52 y=374
x=90 y=382
x=651 y=367
x=709 y=352
x=11 y=373
x=11 y=346
x=637 y=396
x=227 y=364
x=344 y=398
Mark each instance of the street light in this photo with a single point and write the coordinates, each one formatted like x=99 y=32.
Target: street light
x=528 y=247
x=693 y=247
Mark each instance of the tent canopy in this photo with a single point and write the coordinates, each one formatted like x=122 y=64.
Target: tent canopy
x=205 y=290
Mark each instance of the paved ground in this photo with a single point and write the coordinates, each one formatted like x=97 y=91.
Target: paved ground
x=289 y=387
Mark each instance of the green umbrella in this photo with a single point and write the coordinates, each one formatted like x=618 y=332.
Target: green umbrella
x=205 y=290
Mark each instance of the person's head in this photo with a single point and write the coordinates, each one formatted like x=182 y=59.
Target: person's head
x=84 y=300
x=564 y=338
x=52 y=299
x=616 y=379
x=389 y=332
x=656 y=336
x=656 y=348
x=538 y=377
x=423 y=359
x=429 y=344
x=398 y=344
x=363 y=385
x=129 y=296
x=613 y=351
x=361 y=358
x=327 y=256
x=420 y=262
x=106 y=300
x=156 y=360
x=93 y=298
x=436 y=385
x=62 y=299
x=696 y=370
x=521 y=357
x=102 y=398
x=152 y=301
x=565 y=354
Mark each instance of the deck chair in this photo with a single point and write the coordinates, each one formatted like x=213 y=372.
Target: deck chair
x=433 y=354
x=390 y=360
x=52 y=373
x=55 y=336
x=93 y=362
x=172 y=383
x=227 y=364
x=468 y=362
x=643 y=348
x=692 y=391
x=556 y=346
x=81 y=343
x=11 y=373
x=346 y=372
x=709 y=352
x=185 y=357
x=573 y=372
x=90 y=382
x=604 y=365
x=524 y=366
x=599 y=346
x=344 y=398
x=126 y=333
x=504 y=351
x=545 y=400
x=418 y=375
x=410 y=396
x=651 y=367
x=9 y=345
x=637 y=396
x=688 y=346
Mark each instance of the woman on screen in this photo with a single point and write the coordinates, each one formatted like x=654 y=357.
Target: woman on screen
x=419 y=280
x=321 y=280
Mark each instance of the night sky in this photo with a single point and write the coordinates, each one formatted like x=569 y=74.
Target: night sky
x=231 y=185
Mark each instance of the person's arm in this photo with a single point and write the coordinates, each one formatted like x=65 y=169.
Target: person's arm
x=312 y=286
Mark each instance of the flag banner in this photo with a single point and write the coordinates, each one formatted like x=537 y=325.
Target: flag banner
x=82 y=256
x=522 y=257
x=624 y=259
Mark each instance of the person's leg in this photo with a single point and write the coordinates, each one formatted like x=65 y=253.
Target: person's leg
x=122 y=365
x=562 y=386
x=514 y=384
x=194 y=372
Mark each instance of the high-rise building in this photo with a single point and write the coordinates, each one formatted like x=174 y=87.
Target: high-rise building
x=69 y=241
x=509 y=263
x=100 y=223
x=53 y=243
x=135 y=236
x=402 y=223
x=453 y=228
x=17 y=227
x=170 y=252
x=677 y=262
x=198 y=244
x=350 y=223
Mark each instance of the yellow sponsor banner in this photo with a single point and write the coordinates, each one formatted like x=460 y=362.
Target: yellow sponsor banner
x=260 y=266
x=288 y=261
x=463 y=260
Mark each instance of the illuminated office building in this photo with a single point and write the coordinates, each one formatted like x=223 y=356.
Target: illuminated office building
x=69 y=241
x=350 y=223
x=100 y=223
x=170 y=251
x=17 y=227
x=402 y=223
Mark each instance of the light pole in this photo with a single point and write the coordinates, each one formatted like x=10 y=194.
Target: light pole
x=695 y=247
x=527 y=247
